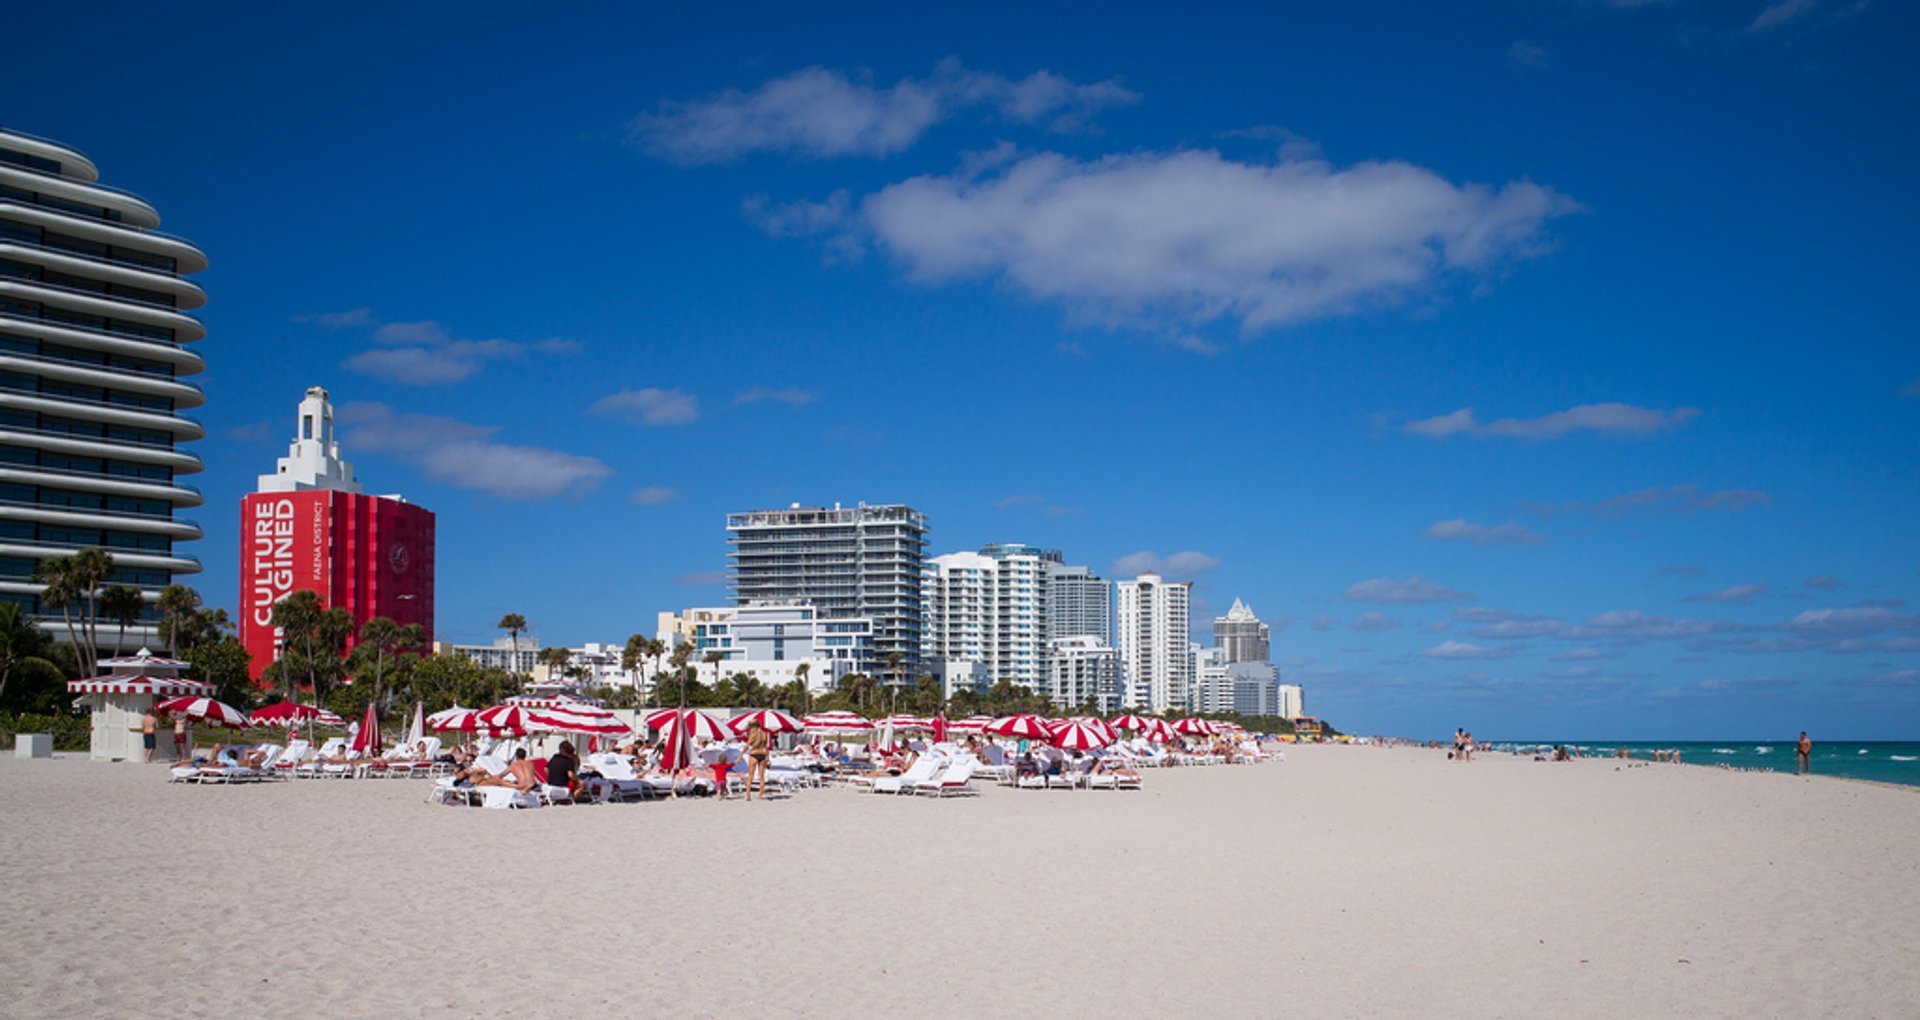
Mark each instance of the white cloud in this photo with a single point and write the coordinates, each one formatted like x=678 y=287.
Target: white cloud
x=1780 y=13
x=1174 y=240
x=790 y=397
x=1824 y=582
x=800 y=219
x=1374 y=622
x=1735 y=593
x=1464 y=650
x=465 y=456
x=653 y=495
x=650 y=406
x=1677 y=499
x=423 y=353
x=1180 y=566
x=1632 y=625
x=1528 y=55
x=340 y=320
x=1509 y=533
x=822 y=113
x=1413 y=589
x=1611 y=419
x=1850 y=622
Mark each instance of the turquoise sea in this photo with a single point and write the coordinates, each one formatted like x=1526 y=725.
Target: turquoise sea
x=1880 y=760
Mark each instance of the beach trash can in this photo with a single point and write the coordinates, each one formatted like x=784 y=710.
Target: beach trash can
x=33 y=745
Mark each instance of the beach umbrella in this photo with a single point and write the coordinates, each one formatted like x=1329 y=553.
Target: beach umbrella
x=695 y=724
x=418 y=730
x=367 y=741
x=577 y=718
x=940 y=728
x=1076 y=735
x=1158 y=729
x=906 y=722
x=1129 y=722
x=284 y=713
x=837 y=722
x=207 y=710
x=511 y=719
x=1194 y=727
x=456 y=718
x=771 y=719
x=1026 y=727
x=971 y=724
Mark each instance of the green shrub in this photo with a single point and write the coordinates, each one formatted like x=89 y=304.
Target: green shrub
x=70 y=732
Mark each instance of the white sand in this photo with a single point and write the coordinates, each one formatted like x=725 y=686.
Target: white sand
x=1345 y=882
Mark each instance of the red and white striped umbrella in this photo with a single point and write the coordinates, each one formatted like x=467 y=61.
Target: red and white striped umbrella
x=509 y=719
x=771 y=719
x=971 y=724
x=577 y=717
x=697 y=724
x=905 y=722
x=464 y=720
x=1158 y=729
x=837 y=722
x=284 y=713
x=207 y=710
x=1029 y=726
x=1075 y=735
x=1194 y=727
x=1128 y=722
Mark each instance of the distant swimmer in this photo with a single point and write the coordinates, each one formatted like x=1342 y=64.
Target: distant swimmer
x=1803 y=751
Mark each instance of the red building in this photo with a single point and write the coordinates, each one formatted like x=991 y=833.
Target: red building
x=310 y=527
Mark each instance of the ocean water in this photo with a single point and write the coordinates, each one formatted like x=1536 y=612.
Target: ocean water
x=1881 y=760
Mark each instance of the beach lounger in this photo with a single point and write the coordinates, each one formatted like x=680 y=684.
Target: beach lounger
x=922 y=770
x=954 y=781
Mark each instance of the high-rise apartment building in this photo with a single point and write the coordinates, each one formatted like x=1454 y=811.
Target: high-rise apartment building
x=859 y=561
x=988 y=607
x=771 y=641
x=1081 y=671
x=93 y=366
x=1079 y=602
x=309 y=526
x=1241 y=634
x=1212 y=687
x=1156 y=665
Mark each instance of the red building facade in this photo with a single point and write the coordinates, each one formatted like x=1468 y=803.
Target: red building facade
x=370 y=555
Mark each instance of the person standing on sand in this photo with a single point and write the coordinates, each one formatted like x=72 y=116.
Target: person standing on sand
x=148 y=724
x=759 y=749
x=1803 y=753
x=180 y=738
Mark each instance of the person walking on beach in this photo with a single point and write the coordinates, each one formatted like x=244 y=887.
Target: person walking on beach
x=1803 y=753
x=148 y=724
x=1459 y=743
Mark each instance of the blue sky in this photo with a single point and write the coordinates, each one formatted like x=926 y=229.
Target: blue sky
x=1546 y=367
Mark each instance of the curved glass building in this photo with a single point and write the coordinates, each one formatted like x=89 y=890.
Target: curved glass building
x=94 y=358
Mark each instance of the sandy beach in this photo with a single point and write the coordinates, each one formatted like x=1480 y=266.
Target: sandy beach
x=1343 y=882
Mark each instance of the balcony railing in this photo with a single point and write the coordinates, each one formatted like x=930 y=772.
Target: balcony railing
x=100 y=476
x=144 y=444
x=127 y=550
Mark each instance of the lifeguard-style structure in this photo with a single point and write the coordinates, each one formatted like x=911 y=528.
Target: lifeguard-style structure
x=126 y=692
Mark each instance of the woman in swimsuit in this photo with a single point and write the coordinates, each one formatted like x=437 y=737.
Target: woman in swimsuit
x=759 y=749
x=1803 y=751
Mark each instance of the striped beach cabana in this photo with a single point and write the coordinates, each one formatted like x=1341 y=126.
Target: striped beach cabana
x=127 y=691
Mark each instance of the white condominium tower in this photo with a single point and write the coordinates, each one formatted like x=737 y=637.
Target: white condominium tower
x=1079 y=602
x=1241 y=634
x=1155 y=663
x=859 y=561
x=93 y=363
x=988 y=607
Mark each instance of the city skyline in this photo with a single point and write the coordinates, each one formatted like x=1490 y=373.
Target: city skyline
x=1516 y=392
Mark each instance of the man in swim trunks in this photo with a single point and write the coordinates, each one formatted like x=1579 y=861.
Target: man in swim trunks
x=1803 y=753
x=148 y=723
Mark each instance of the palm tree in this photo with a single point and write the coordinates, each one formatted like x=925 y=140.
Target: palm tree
x=91 y=568
x=124 y=605
x=55 y=575
x=555 y=659
x=896 y=663
x=678 y=659
x=21 y=643
x=297 y=617
x=515 y=625
x=384 y=637
x=177 y=603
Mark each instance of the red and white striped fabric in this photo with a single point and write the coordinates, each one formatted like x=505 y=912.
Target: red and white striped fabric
x=698 y=725
x=207 y=710
x=464 y=720
x=553 y=701
x=905 y=722
x=1158 y=729
x=971 y=724
x=284 y=713
x=578 y=718
x=1128 y=722
x=1031 y=727
x=367 y=740
x=1076 y=735
x=508 y=719
x=158 y=686
x=771 y=719
x=837 y=722
x=1194 y=727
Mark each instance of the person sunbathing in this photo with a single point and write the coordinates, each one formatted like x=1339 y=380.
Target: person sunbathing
x=519 y=775
x=1101 y=768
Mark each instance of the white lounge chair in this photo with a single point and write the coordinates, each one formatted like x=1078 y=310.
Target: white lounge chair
x=922 y=770
x=955 y=780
